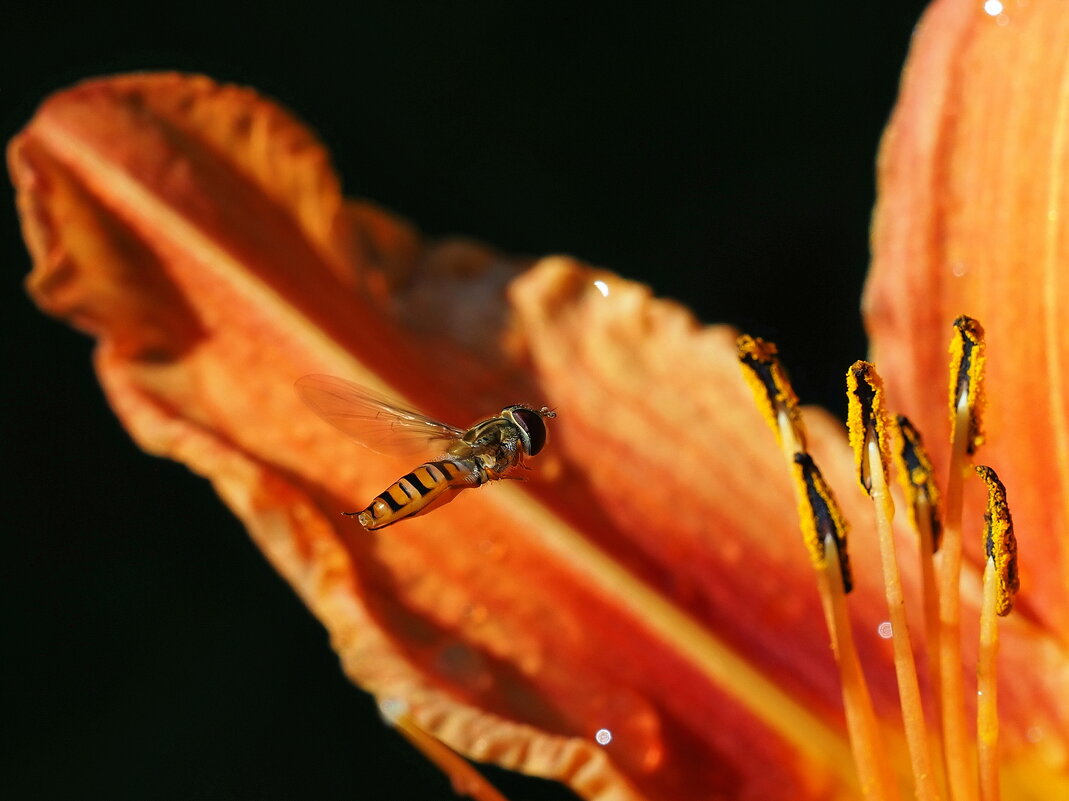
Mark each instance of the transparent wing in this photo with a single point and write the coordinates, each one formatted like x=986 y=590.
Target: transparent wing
x=371 y=419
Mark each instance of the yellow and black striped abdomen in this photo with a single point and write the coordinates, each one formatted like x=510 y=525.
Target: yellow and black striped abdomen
x=427 y=487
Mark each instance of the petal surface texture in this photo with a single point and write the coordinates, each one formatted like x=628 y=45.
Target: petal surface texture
x=972 y=219
x=647 y=577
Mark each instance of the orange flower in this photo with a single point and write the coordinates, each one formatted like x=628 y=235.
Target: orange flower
x=645 y=580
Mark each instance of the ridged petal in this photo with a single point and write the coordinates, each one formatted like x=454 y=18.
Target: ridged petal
x=974 y=199
x=648 y=578
x=971 y=219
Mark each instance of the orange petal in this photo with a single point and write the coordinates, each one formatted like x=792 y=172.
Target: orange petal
x=974 y=195
x=647 y=579
x=974 y=198
x=197 y=232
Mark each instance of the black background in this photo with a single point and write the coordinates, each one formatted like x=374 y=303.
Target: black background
x=725 y=158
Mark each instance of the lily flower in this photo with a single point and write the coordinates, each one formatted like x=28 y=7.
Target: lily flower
x=636 y=618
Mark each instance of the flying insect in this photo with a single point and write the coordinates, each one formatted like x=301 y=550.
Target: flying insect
x=487 y=451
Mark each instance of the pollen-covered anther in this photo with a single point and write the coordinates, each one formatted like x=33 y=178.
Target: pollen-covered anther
x=868 y=425
x=1000 y=544
x=772 y=391
x=915 y=477
x=967 y=378
x=820 y=517
x=867 y=420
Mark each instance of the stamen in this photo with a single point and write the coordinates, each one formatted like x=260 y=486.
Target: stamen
x=1000 y=544
x=824 y=531
x=922 y=502
x=918 y=485
x=867 y=421
x=466 y=780
x=767 y=379
x=1001 y=583
x=820 y=518
x=966 y=406
x=966 y=376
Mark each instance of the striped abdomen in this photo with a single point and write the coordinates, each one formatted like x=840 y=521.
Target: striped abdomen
x=427 y=487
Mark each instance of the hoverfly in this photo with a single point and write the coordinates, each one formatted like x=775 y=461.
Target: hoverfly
x=487 y=451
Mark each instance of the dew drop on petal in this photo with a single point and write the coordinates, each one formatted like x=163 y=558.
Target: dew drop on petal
x=959 y=269
x=633 y=726
x=993 y=8
x=1034 y=734
x=885 y=630
x=603 y=288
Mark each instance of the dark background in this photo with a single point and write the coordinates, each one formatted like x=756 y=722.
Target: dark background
x=726 y=159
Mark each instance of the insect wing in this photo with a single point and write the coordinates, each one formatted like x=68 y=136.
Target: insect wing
x=371 y=419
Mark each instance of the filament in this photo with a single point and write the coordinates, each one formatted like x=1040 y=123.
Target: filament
x=959 y=760
x=916 y=728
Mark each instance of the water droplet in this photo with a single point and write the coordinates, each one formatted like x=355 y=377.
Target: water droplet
x=602 y=287
x=993 y=8
x=885 y=630
x=633 y=727
x=1034 y=734
x=959 y=269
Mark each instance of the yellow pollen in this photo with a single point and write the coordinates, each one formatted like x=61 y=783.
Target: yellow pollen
x=966 y=765
x=967 y=377
x=1000 y=543
x=819 y=517
x=772 y=391
x=866 y=419
x=914 y=470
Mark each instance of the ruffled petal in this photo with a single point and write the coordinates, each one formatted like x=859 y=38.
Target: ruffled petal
x=647 y=578
x=197 y=232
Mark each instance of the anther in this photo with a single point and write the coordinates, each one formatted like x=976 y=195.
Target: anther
x=915 y=476
x=866 y=420
x=967 y=378
x=1000 y=544
x=966 y=407
x=820 y=517
x=767 y=379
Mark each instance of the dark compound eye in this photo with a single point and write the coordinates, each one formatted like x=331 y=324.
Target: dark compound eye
x=534 y=425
